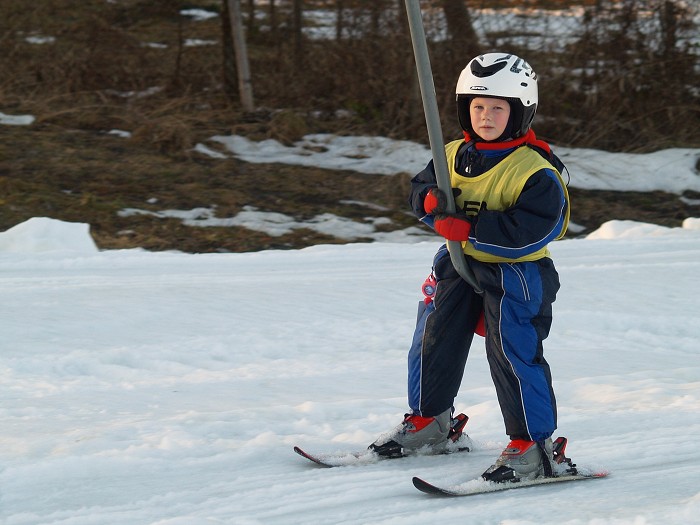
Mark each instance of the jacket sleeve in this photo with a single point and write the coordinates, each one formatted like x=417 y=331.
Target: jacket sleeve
x=420 y=185
x=537 y=218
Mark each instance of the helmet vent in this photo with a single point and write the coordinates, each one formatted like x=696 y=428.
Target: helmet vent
x=480 y=71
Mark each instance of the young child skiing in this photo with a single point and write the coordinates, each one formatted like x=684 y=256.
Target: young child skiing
x=511 y=202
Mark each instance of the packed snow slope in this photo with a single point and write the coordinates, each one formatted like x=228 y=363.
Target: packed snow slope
x=143 y=388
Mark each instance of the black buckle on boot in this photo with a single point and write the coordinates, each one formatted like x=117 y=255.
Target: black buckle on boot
x=502 y=474
x=390 y=449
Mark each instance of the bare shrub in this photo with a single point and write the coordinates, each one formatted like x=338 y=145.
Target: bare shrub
x=622 y=76
x=630 y=80
x=287 y=126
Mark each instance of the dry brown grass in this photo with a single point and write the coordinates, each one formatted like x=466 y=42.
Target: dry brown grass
x=103 y=73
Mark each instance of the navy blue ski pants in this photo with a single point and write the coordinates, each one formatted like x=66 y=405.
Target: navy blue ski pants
x=517 y=303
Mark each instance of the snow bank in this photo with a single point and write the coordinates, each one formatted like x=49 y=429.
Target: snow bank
x=618 y=229
x=671 y=170
x=16 y=120
x=41 y=234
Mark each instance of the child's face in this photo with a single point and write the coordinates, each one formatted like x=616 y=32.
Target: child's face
x=489 y=116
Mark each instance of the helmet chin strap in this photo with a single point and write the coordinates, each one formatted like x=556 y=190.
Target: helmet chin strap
x=528 y=138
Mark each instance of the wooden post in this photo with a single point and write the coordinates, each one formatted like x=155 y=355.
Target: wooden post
x=245 y=86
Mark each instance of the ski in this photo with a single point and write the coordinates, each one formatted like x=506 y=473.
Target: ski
x=457 y=442
x=567 y=472
x=368 y=457
x=480 y=486
x=341 y=459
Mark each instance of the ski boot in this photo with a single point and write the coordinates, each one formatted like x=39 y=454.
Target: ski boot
x=432 y=435
x=522 y=460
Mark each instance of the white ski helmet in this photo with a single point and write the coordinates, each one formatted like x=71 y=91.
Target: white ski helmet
x=499 y=75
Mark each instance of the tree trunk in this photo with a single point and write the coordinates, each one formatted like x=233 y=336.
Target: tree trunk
x=245 y=88
x=251 y=17
x=375 y=17
x=465 y=43
x=340 y=5
x=229 y=58
x=414 y=110
x=297 y=18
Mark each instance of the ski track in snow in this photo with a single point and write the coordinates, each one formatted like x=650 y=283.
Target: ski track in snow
x=169 y=389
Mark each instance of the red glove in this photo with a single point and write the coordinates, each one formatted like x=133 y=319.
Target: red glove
x=435 y=201
x=453 y=227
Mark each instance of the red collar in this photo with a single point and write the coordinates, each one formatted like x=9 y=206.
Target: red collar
x=528 y=138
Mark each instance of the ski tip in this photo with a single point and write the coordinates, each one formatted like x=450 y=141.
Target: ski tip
x=310 y=457
x=429 y=488
x=422 y=485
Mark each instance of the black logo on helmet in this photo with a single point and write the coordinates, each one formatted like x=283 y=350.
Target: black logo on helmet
x=480 y=71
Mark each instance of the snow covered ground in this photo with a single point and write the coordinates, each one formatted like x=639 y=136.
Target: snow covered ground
x=141 y=388
x=169 y=388
x=670 y=170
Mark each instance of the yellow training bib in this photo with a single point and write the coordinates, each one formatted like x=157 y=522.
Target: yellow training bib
x=498 y=189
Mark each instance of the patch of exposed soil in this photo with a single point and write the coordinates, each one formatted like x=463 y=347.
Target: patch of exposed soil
x=87 y=177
